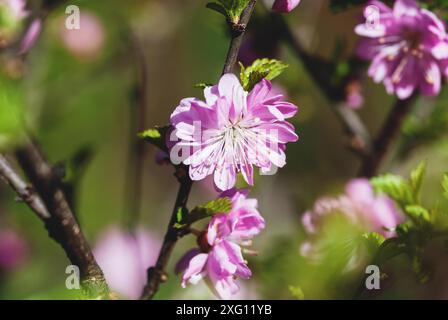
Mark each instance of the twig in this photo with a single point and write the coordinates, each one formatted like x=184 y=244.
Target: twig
x=25 y=192
x=386 y=136
x=62 y=225
x=317 y=68
x=237 y=32
x=138 y=120
x=157 y=274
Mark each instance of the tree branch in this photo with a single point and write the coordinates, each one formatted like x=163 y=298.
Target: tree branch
x=386 y=136
x=25 y=192
x=62 y=225
x=237 y=34
x=138 y=124
x=157 y=274
x=318 y=68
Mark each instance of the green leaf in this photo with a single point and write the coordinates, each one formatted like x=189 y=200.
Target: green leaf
x=374 y=238
x=261 y=68
x=217 y=7
x=416 y=179
x=181 y=218
x=420 y=269
x=232 y=9
x=418 y=213
x=218 y=206
x=156 y=136
x=202 y=85
x=12 y=106
x=389 y=249
x=445 y=185
x=297 y=292
x=396 y=187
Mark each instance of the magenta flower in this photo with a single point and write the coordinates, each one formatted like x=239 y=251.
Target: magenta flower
x=88 y=41
x=124 y=259
x=285 y=5
x=17 y=8
x=373 y=213
x=408 y=48
x=219 y=257
x=13 y=250
x=232 y=131
x=31 y=36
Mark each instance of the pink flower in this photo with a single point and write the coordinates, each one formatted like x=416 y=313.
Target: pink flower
x=219 y=257
x=408 y=48
x=232 y=131
x=17 y=8
x=285 y=5
x=354 y=97
x=31 y=36
x=377 y=212
x=13 y=249
x=125 y=258
x=374 y=213
x=86 y=42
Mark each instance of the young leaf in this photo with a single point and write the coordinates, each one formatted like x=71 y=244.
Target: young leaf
x=420 y=269
x=417 y=178
x=445 y=185
x=156 y=136
x=297 y=292
x=418 y=213
x=217 y=7
x=396 y=187
x=232 y=9
x=261 y=68
x=181 y=218
x=218 y=206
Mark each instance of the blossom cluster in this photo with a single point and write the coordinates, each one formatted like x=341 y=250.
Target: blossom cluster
x=219 y=255
x=359 y=206
x=14 y=14
x=408 y=47
x=232 y=131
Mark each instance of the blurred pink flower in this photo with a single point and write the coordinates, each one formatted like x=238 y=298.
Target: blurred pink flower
x=13 y=249
x=408 y=47
x=374 y=213
x=17 y=8
x=87 y=42
x=125 y=258
x=232 y=131
x=354 y=96
x=31 y=36
x=219 y=256
x=285 y=5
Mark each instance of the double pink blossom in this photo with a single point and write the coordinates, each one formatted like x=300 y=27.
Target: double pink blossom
x=219 y=258
x=232 y=131
x=407 y=45
x=360 y=204
x=125 y=257
x=285 y=5
x=360 y=207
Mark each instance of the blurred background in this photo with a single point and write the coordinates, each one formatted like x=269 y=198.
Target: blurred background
x=78 y=96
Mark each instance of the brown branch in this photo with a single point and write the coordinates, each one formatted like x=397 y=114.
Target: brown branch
x=62 y=225
x=386 y=137
x=318 y=69
x=138 y=124
x=25 y=192
x=157 y=274
x=237 y=33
